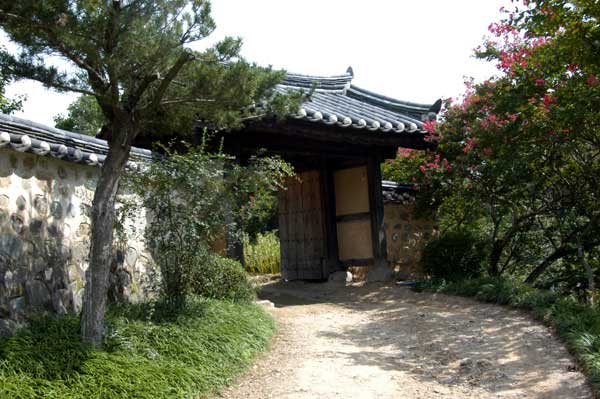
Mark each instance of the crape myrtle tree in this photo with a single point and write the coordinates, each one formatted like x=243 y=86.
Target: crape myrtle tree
x=133 y=58
x=518 y=156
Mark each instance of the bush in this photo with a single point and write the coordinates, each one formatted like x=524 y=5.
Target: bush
x=452 y=256
x=222 y=278
x=262 y=256
x=191 y=200
x=154 y=351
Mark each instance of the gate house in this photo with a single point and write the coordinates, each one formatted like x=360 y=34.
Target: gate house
x=331 y=216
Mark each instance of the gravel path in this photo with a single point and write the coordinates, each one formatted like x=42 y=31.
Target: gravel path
x=389 y=342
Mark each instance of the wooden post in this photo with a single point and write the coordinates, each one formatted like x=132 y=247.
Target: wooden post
x=328 y=197
x=376 y=210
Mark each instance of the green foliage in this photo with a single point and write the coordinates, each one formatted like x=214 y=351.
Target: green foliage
x=262 y=256
x=7 y=105
x=405 y=167
x=222 y=278
x=153 y=351
x=84 y=116
x=259 y=215
x=577 y=324
x=453 y=255
x=194 y=199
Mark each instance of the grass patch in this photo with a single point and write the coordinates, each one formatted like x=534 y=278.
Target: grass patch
x=577 y=324
x=262 y=255
x=152 y=351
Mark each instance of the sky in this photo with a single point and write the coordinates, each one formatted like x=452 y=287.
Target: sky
x=417 y=50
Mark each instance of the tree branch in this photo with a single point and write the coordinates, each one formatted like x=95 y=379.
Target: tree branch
x=187 y=100
x=184 y=58
x=60 y=47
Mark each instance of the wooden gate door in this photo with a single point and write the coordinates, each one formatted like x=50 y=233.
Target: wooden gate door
x=302 y=228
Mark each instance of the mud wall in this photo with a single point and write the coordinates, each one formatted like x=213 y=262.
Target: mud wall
x=44 y=239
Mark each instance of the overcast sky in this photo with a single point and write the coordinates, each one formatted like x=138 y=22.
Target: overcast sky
x=417 y=50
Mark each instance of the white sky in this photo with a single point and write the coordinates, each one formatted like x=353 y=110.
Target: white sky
x=417 y=50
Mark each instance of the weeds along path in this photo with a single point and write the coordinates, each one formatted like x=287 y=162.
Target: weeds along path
x=389 y=342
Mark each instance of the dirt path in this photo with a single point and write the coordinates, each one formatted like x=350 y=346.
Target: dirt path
x=389 y=342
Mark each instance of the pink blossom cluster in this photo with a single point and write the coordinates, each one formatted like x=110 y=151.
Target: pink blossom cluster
x=469 y=144
x=499 y=29
x=436 y=164
x=510 y=59
x=405 y=152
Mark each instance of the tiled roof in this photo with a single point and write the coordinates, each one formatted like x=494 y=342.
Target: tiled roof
x=398 y=193
x=26 y=136
x=336 y=101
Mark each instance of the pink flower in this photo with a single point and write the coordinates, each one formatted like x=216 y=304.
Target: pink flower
x=429 y=126
x=422 y=168
x=488 y=151
x=540 y=82
x=591 y=80
x=469 y=143
x=549 y=99
x=404 y=152
x=572 y=67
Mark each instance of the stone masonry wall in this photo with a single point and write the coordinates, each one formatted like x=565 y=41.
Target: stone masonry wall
x=406 y=236
x=44 y=239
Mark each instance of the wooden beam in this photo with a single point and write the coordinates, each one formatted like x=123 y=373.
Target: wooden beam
x=376 y=210
x=333 y=133
x=328 y=196
x=353 y=216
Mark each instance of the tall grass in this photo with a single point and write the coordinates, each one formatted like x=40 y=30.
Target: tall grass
x=152 y=352
x=262 y=256
x=577 y=324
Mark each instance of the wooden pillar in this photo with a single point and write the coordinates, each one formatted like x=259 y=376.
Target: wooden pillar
x=376 y=210
x=328 y=196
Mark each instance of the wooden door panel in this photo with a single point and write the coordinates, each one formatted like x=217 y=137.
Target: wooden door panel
x=301 y=225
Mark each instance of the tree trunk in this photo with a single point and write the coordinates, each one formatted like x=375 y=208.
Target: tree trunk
x=546 y=263
x=495 y=255
x=102 y=226
x=589 y=272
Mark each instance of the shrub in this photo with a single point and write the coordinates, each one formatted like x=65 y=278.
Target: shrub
x=453 y=255
x=191 y=200
x=262 y=255
x=222 y=278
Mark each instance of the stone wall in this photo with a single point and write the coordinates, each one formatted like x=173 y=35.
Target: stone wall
x=45 y=208
x=406 y=236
